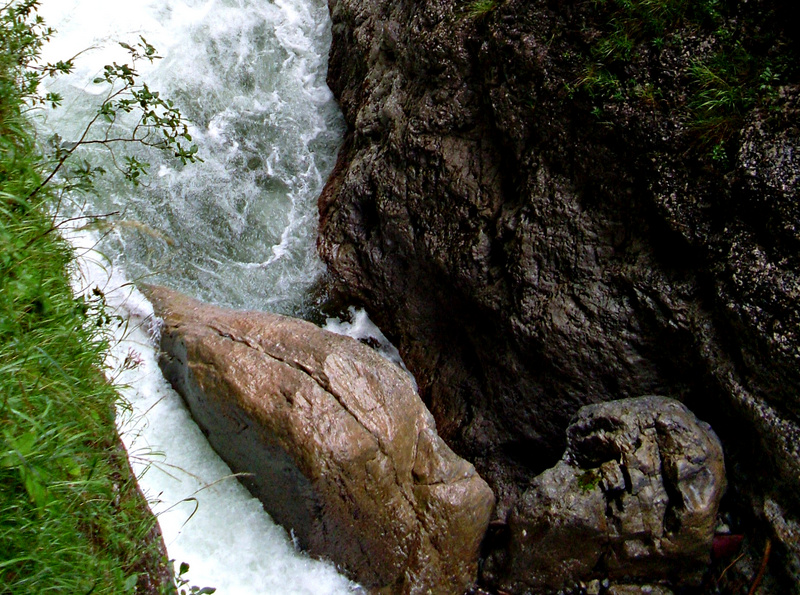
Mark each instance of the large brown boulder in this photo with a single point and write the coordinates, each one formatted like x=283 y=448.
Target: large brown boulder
x=340 y=448
x=635 y=496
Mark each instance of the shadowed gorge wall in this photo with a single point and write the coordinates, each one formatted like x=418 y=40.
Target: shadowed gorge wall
x=542 y=224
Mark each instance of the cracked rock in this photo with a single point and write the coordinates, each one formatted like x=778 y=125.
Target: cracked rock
x=340 y=448
x=635 y=496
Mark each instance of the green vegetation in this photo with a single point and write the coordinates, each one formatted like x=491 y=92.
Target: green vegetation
x=480 y=8
x=589 y=480
x=726 y=87
x=71 y=518
x=743 y=63
x=632 y=23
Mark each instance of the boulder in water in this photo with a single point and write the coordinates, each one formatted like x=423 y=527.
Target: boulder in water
x=339 y=446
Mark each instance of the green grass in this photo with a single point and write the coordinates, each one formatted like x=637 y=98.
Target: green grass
x=748 y=64
x=631 y=25
x=71 y=518
x=477 y=9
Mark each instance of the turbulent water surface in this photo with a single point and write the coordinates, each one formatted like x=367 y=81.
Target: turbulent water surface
x=237 y=229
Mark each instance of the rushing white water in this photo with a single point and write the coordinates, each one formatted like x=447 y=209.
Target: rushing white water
x=207 y=518
x=237 y=230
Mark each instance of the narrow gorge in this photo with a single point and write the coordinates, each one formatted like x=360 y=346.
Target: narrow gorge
x=578 y=222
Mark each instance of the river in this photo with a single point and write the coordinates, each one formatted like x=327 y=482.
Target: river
x=237 y=229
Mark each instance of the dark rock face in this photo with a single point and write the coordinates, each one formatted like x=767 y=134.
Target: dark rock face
x=635 y=496
x=639 y=590
x=529 y=257
x=339 y=446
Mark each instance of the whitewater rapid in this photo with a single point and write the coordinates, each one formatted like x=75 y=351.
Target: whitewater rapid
x=208 y=519
x=238 y=230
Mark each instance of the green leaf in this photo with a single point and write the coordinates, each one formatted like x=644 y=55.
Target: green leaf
x=34 y=485
x=72 y=467
x=6 y=563
x=25 y=443
x=130 y=582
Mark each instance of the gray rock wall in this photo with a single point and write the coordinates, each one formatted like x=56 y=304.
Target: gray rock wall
x=635 y=496
x=530 y=257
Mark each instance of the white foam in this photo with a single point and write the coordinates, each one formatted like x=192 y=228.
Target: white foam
x=207 y=518
x=251 y=76
x=361 y=327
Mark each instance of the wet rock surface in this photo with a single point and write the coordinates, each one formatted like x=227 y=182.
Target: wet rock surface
x=639 y=590
x=338 y=445
x=635 y=496
x=532 y=250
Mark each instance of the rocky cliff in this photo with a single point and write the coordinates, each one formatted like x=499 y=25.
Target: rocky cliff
x=550 y=203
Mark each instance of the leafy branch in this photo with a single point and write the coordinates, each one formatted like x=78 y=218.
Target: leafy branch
x=159 y=123
x=71 y=517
